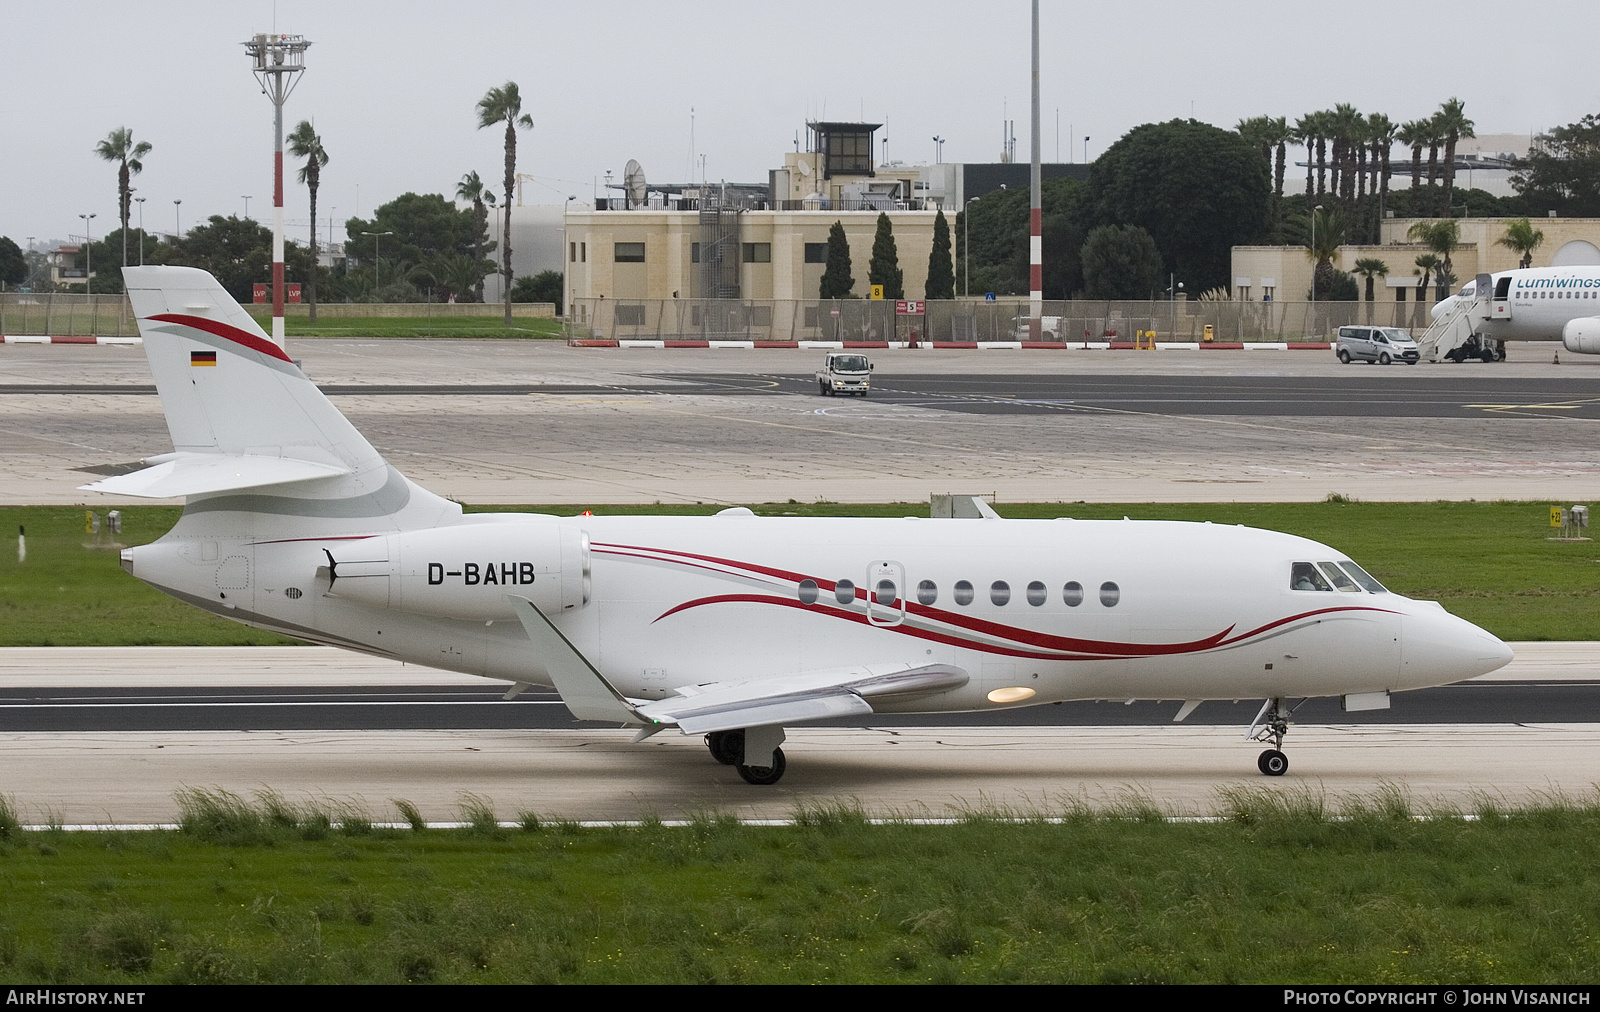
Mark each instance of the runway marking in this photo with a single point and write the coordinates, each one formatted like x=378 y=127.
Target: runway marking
x=1524 y=407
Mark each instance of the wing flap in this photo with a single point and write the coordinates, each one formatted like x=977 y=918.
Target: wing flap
x=796 y=698
x=794 y=710
x=182 y=474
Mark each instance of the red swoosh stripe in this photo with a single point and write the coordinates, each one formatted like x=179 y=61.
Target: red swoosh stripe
x=226 y=332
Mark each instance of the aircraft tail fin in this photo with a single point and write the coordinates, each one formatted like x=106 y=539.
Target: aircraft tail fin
x=243 y=417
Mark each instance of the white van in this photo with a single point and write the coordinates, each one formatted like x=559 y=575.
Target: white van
x=1382 y=345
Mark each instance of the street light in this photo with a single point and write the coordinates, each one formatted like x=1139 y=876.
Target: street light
x=938 y=150
x=1173 y=286
x=177 y=220
x=140 y=202
x=1086 y=151
x=88 y=253
x=1314 y=252
x=566 y=257
x=376 y=277
x=246 y=197
x=966 y=246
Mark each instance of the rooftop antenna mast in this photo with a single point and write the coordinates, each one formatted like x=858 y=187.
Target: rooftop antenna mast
x=277 y=61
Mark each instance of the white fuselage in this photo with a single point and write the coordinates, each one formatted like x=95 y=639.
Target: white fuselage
x=1198 y=611
x=1535 y=304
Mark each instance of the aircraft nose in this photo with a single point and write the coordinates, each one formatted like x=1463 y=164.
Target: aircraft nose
x=1438 y=648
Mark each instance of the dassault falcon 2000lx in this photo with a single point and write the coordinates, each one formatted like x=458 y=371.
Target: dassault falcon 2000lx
x=734 y=626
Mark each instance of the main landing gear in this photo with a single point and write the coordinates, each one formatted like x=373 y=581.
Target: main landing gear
x=729 y=748
x=1271 y=724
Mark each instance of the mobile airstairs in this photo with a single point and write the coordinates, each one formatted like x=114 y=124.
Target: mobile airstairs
x=1452 y=335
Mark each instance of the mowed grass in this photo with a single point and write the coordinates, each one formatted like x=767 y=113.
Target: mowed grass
x=1490 y=562
x=1279 y=890
x=478 y=327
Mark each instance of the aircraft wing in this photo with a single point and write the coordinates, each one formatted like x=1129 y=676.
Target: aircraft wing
x=181 y=474
x=724 y=706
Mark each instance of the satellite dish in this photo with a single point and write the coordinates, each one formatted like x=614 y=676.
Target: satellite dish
x=633 y=185
x=804 y=167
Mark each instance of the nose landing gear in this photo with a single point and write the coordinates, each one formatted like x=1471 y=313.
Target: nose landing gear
x=1270 y=725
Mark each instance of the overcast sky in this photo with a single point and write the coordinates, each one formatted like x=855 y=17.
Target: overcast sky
x=392 y=86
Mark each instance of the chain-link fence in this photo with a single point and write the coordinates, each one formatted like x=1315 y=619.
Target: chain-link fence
x=60 y=315
x=965 y=320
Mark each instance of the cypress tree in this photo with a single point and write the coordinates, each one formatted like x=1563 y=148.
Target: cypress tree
x=941 y=271
x=836 y=279
x=884 y=269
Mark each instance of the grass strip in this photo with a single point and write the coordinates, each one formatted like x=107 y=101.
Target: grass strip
x=1284 y=888
x=1489 y=562
x=475 y=327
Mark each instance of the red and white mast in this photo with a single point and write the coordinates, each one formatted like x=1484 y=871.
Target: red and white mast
x=1035 y=208
x=278 y=61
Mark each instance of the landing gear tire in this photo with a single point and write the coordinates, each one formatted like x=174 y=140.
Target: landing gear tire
x=1384 y=359
x=727 y=747
x=1344 y=356
x=765 y=776
x=1271 y=762
x=1486 y=355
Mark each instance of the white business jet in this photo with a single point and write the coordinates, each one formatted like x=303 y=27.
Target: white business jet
x=734 y=626
x=1535 y=304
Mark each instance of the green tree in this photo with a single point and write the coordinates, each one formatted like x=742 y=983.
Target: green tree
x=1562 y=171
x=836 y=279
x=1121 y=262
x=884 y=267
x=504 y=105
x=998 y=235
x=471 y=189
x=1371 y=268
x=108 y=278
x=1325 y=233
x=1522 y=238
x=424 y=226
x=305 y=143
x=1442 y=238
x=1453 y=123
x=544 y=286
x=1197 y=189
x=13 y=266
x=119 y=147
x=941 y=272
x=1426 y=263
x=236 y=251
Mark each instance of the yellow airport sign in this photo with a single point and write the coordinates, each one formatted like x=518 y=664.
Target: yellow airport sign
x=877 y=291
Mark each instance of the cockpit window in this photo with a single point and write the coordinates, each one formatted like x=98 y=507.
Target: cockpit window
x=850 y=363
x=1362 y=577
x=1304 y=576
x=1340 y=580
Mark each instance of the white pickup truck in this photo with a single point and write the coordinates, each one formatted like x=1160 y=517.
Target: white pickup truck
x=844 y=372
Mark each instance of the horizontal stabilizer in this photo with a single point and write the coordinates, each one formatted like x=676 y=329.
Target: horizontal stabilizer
x=181 y=474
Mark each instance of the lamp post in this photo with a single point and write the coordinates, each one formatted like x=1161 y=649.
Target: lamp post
x=177 y=220
x=377 y=279
x=277 y=61
x=966 y=246
x=88 y=253
x=246 y=197
x=1315 y=263
x=566 y=257
x=1173 y=284
x=938 y=150
x=140 y=202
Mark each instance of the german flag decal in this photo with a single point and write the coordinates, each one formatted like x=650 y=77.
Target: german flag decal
x=202 y=358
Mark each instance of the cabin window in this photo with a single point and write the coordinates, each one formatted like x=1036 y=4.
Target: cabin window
x=1072 y=594
x=844 y=592
x=963 y=592
x=1339 y=578
x=927 y=592
x=808 y=592
x=999 y=593
x=887 y=592
x=1304 y=576
x=1110 y=594
x=1037 y=593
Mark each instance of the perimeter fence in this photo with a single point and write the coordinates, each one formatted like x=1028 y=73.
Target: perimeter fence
x=62 y=314
x=967 y=320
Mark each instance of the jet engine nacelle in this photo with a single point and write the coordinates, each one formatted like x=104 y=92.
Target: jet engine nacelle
x=465 y=572
x=1582 y=335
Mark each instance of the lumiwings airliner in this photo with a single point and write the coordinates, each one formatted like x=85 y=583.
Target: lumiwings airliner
x=1535 y=304
x=734 y=626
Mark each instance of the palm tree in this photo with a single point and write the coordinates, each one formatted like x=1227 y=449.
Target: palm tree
x=1521 y=237
x=1327 y=233
x=1267 y=133
x=1414 y=134
x=471 y=188
x=1453 y=121
x=1434 y=138
x=1305 y=132
x=504 y=105
x=1427 y=263
x=1348 y=127
x=1442 y=238
x=1381 y=135
x=304 y=143
x=1371 y=268
x=119 y=147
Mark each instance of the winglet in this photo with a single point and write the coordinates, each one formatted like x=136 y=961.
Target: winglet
x=585 y=691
